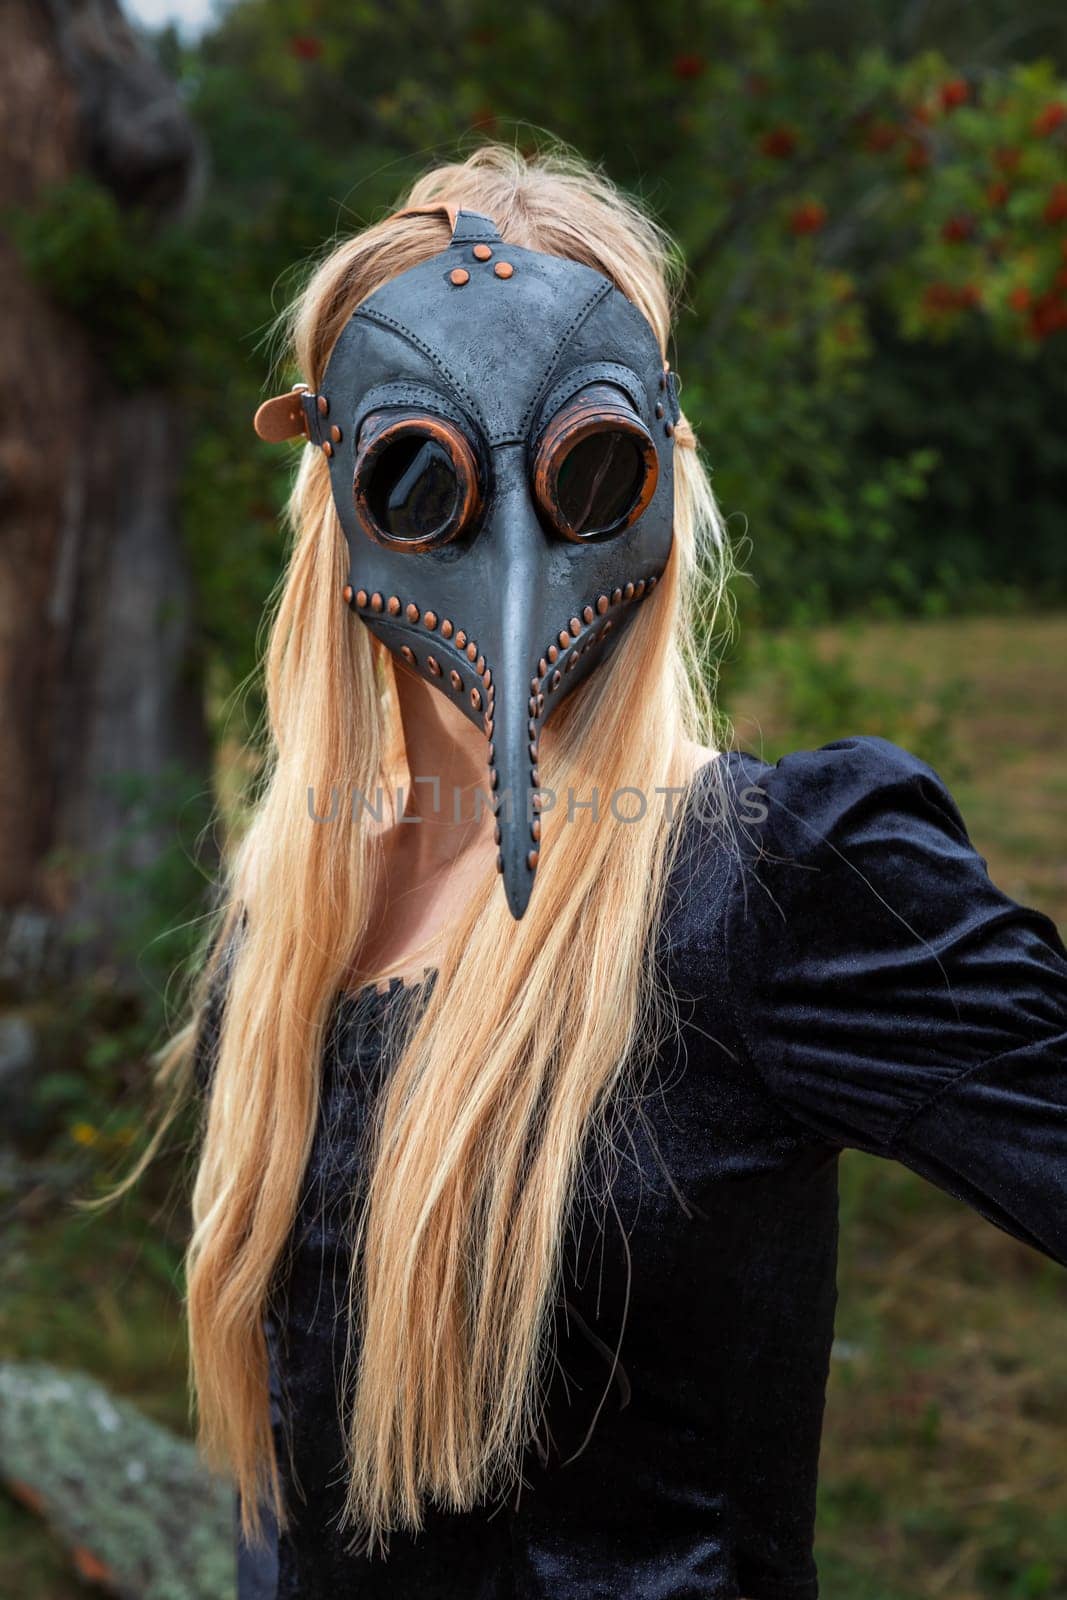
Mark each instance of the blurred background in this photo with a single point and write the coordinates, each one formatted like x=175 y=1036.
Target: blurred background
x=872 y=203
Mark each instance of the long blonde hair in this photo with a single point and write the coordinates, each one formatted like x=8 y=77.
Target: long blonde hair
x=531 y=1027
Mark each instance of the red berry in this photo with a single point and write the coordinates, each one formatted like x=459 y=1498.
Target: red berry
x=685 y=67
x=305 y=47
x=1053 y=117
x=957 y=229
x=882 y=136
x=918 y=157
x=807 y=218
x=997 y=193
x=955 y=93
x=779 y=143
x=1019 y=298
x=1056 y=205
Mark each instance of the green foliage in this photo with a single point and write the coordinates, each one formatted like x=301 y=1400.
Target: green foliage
x=135 y=287
x=871 y=204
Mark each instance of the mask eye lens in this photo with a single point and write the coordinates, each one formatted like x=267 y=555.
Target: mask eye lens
x=599 y=481
x=595 y=467
x=416 y=482
x=413 y=490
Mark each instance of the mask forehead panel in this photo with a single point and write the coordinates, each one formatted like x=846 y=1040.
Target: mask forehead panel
x=509 y=616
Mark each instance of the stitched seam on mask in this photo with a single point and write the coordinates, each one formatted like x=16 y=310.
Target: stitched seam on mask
x=600 y=293
x=611 y=372
x=387 y=396
x=901 y=1127
x=385 y=321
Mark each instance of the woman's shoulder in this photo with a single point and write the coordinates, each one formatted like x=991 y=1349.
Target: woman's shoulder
x=835 y=828
x=843 y=791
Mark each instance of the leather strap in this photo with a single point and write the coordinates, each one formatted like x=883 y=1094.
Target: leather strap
x=287 y=416
x=438 y=210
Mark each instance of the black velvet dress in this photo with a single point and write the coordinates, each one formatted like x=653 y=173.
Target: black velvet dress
x=849 y=976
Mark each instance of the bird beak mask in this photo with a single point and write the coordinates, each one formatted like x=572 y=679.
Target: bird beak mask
x=499 y=426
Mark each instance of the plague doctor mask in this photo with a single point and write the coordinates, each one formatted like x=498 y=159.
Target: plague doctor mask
x=499 y=428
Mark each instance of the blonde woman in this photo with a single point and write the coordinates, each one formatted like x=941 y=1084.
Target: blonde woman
x=536 y=1019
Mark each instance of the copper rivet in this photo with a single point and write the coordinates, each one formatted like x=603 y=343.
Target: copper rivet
x=461 y=639
x=564 y=638
x=535 y=777
x=479 y=665
x=487 y=677
x=335 y=434
x=535 y=684
x=536 y=802
x=531 y=859
x=411 y=611
x=616 y=596
x=535 y=827
x=361 y=597
x=659 y=409
x=327 y=448
x=434 y=665
x=652 y=582
x=532 y=726
x=503 y=269
x=639 y=589
x=540 y=704
x=490 y=754
x=323 y=405
x=459 y=276
x=602 y=603
x=557 y=678
x=533 y=705
x=497 y=834
x=494 y=778
x=553 y=652
x=588 y=613
x=499 y=862
x=346 y=593
x=542 y=666
x=482 y=252
x=569 y=664
x=455 y=680
x=476 y=699
x=376 y=602
x=575 y=627
x=408 y=653
x=446 y=629
x=533 y=750
x=430 y=619
x=489 y=726
x=472 y=651
x=628 y=592
x=607 y=626
x=393 y=607
x=668 y=428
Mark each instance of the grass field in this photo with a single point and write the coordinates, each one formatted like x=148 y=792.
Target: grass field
x=945 y=1459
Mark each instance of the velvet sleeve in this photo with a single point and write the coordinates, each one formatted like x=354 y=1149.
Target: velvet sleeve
x=891 y=996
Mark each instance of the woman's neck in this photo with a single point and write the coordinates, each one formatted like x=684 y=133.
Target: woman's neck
x=441 y=847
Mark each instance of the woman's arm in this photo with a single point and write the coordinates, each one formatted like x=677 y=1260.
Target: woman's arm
x=891 y=996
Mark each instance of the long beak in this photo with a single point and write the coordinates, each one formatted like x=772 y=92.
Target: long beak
x=515 y=549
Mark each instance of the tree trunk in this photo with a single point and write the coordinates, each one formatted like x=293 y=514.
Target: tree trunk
x=100 y=699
